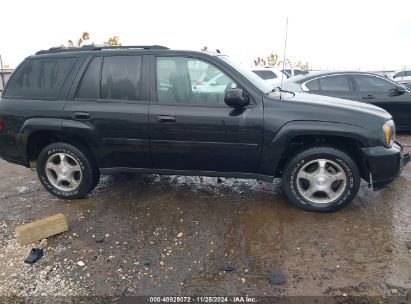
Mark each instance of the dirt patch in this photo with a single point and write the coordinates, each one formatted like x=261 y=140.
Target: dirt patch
x=152 y=235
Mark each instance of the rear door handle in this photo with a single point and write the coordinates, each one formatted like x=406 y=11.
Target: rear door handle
x=368 y=97
x=81 y=116
x=166 y=119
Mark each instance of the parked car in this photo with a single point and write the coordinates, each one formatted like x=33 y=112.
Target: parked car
x=359 y=86
x=401 y=76
x=271 y=75
x=294 y=72
x=76 y=113
x=407 y=85
x=217 y=84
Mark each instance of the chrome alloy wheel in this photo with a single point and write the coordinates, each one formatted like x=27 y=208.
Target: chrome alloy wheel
x=321 y=181
x=63 y=171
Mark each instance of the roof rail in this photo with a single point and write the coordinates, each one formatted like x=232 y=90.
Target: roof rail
x=97 y=48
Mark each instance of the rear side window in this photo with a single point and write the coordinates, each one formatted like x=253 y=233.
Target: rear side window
x=121 y=78
x=39 y=78
x=334 y=83
x=90 y=84
x=265 y=74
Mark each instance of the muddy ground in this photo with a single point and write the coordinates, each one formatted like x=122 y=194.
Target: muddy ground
x=173 y=235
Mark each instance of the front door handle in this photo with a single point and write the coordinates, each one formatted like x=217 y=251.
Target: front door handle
x=166 y=119
x=368 y=97
x=81 y=116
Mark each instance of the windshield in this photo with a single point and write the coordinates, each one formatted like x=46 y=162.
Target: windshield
x=247 y=73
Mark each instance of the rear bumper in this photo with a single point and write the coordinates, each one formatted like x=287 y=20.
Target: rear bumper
x=385 y=163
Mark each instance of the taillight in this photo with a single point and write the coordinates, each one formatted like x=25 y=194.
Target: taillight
x=1 y=124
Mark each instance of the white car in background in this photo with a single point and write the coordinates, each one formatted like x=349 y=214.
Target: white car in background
x=215 y=85
x=401 y=76
x=271 y=75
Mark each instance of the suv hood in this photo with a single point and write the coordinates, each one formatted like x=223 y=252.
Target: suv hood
x=336 y=102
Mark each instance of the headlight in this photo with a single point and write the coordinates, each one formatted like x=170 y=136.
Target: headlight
x=389 y=133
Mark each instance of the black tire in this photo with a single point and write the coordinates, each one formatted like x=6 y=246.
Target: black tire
x=89 y=171
x=349 y=188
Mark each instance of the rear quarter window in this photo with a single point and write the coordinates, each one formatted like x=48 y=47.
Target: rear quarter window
x=39 y=78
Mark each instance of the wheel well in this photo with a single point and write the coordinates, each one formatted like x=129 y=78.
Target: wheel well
x=38 y=140
x=349 y=145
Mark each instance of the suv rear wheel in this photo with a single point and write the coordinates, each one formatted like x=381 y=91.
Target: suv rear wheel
x=66 y=171
x=321 y=179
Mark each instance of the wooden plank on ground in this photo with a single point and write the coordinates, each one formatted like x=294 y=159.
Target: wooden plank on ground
x=41 y=229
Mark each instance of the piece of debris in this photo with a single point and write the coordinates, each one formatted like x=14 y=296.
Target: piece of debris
x=408 y=244
x=146 y=262
x=227 y=267
x=81 y=263
x=389 y=248
x=394 y=291
x=180 y=234
x=243 y=280
x=41 y=229
x=99 y=239
x=277 y=278
x=35 y=255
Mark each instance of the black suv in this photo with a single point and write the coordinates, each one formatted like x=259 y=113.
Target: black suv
x=77 y=113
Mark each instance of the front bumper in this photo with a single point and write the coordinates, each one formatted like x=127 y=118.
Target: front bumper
x=385 y=164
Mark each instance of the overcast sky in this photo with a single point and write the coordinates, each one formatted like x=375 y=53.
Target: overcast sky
x=360 y=34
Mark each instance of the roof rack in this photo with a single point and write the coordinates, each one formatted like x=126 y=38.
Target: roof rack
x=97 y=48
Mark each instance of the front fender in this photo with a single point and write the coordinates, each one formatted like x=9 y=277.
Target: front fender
x=275 y=143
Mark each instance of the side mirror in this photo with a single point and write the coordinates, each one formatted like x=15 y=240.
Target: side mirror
x=213 y=83
x=236 y=98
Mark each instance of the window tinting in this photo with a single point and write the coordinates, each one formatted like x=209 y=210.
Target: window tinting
x=90 y=84
x=121 y=78
x=334 y=83
x=373 y=84
x=313 y=85
x=265 y=74
x=190 y=81
x=39 y=78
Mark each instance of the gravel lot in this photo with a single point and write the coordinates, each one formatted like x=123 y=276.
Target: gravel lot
x=173 y=235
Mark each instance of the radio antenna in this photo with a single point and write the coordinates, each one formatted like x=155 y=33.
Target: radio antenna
x=285 y=49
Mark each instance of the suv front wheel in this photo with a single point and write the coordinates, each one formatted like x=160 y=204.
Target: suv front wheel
x=321 y=179
x=66 y=171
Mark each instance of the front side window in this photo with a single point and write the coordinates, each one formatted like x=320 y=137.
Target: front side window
x=39 y=78
x=265 y=74
x=121 y=78
x=337 y=83
x=367 y=83
x=313 y=85
x=190 y=81
x=399 y=74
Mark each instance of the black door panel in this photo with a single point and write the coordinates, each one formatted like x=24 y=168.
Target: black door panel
x=117 y=112
x=203 y=138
